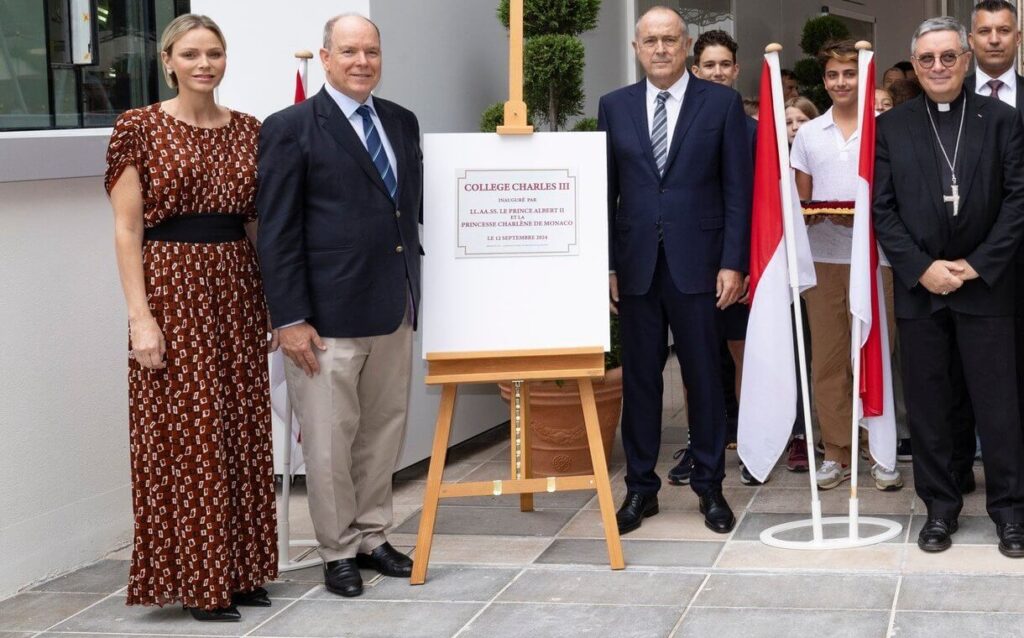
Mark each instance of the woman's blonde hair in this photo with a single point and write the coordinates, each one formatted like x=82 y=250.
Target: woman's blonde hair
x=179 y=27
x=803 y=105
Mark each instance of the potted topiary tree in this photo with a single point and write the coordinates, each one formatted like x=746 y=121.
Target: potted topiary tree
x=553 y=59
x=558 y=435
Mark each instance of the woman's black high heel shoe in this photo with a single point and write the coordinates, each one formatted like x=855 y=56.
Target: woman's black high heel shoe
x=255 y=598
x=223 y=614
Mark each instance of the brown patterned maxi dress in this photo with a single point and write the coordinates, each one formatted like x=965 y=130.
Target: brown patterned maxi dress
x=200 y=429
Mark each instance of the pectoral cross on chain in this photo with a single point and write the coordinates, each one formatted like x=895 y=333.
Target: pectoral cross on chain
x=954 y=198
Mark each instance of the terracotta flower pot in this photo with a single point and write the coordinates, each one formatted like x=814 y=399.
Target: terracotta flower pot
x=558 y=436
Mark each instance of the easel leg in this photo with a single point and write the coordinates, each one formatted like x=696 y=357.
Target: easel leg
x=604 y=488
x=432 y=495
x=525 y=500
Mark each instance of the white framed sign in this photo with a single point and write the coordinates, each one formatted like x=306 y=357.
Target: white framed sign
x=516 y=241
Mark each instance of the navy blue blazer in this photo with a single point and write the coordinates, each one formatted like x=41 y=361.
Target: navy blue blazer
x=335 y=249
x=702 y=201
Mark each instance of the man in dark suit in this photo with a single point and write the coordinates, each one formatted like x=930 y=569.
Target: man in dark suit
x=339 y=200
x=950 y=223
x=995 y=40
x=680 y=179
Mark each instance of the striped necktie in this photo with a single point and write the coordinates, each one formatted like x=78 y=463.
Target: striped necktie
x=659 y=133
x=375 y=148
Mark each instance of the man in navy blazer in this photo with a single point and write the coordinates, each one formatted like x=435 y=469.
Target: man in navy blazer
x=339 y=200
x=679 y=196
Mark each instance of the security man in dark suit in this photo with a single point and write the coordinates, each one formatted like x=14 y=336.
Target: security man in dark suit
x=949 y=214
x=680 y=180
x=339 y=200
x=995 y=39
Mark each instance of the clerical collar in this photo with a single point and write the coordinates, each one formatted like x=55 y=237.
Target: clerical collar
x=945 y=107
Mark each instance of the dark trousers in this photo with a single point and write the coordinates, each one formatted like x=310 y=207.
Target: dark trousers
x=985 y=346
x=644 y=323
x=965 y=445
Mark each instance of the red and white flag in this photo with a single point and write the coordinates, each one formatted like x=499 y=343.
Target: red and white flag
x=780 y=268
x=873 y=399
x=279 y=403
x=300 y=83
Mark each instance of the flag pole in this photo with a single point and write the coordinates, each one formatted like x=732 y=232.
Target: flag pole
x=771 y=54
x=284 y=542
x=863 y=56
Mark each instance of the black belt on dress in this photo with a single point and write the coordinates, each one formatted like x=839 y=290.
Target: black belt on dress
x=203 y=228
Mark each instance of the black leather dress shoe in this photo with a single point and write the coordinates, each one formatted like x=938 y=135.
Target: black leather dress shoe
x=342 y=577
x=965 y=481
x=255 y=598
x=935 y=535
x=634 y=510
x=1011 y=539
x=387 y=560
x=223 y=614
x=718 y=516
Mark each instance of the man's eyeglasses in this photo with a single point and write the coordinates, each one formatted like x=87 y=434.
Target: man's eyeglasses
x=948 y=59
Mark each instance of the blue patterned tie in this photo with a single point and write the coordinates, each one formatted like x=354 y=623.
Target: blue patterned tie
x=376 y=149
x=659 y=134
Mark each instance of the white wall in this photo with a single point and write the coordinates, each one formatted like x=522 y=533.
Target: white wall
x=263 y=36
x=447 y=60
x=608 y=54
x=65 y=498
x=445 y=95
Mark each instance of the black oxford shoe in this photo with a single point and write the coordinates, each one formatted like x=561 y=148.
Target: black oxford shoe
x=935 y=535
x=342 y=577
x=717 y=515
x=387 y=560
x=255 y=598
x=634 y=510
x=1011 y=539
x=223 y=614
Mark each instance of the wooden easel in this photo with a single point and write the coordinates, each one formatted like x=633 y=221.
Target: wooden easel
x=519 y=367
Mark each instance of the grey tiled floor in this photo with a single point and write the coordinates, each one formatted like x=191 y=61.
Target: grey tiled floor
x=497 y=572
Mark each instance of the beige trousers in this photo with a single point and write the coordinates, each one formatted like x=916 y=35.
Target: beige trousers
x=353 y=416
x=828 y=314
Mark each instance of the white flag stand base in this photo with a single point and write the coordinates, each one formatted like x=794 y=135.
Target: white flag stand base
x=886 y=530
x=284 y=542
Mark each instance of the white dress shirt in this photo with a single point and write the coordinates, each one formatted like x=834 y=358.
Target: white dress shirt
x=673 y=105
x=1007 y=92
x=819 y=150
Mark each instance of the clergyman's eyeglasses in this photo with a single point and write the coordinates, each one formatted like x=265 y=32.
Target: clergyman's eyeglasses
x=948 y=59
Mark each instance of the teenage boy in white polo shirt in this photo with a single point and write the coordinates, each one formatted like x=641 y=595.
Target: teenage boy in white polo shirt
x=825 y=154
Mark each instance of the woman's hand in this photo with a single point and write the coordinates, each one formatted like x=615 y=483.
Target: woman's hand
x=148 y=345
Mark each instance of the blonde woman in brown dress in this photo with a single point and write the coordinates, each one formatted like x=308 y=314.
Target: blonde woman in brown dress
x=181 y=175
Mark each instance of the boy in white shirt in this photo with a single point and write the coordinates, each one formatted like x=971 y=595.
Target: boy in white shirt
x=825 y=154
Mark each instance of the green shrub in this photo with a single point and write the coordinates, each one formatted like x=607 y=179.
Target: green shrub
x=585 y=125
x=546 y=17
x=817 y=31
x=553 y=78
